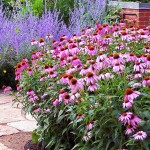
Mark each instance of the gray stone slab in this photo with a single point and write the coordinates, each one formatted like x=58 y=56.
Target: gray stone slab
x=5 y=99
x=131 y=5
x=3 y=147
x=9 y=114
x=26 y=126
x=7 y=130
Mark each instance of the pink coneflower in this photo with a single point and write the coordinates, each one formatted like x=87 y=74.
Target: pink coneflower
x=30 y=92
x=139 y=67
x=130 y=129
x=44 y=95
x=32 y=98
x=87 y=136
x=124 y=35
x=42 y=78
x=64 y=79
x=34 y=56
x=34 y=42
x=137 y=75
x=131 y=57
x=61 y=95
x=80 y=116
x=127 y=103
x=105 y=75
x=90 y=125
x=6 y=89
x=117 y=59
x=75 y=85
x=49 y=36
x=125 y=117
x=118 y=68
x=146 y=49
x=64 y=52
x=41 y=42
x=37 y=110
x=101 y=57
x=18 y=76
x=68 y=99
x=135 y=85
x=52 y=74
x=75 y=97
x=120 y=46
x=30 y=71
x=140 y=135
x=18 y=87
x=55 y=102
x=146 y=82
x=74 y=49
x=134 y=120
x=130 y=94
x=91 y=78
x=148 y=61
x=93 y=87
x=107 y=39
x=91 y=50
x=84 y=71
x=47 y=110
x=76 y=61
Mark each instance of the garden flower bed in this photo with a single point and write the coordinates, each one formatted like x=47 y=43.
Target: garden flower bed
x=90 y=91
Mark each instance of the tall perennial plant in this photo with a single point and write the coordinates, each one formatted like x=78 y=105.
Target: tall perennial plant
x=89 y=91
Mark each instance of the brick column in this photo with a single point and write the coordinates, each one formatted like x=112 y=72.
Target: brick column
x=140 y=12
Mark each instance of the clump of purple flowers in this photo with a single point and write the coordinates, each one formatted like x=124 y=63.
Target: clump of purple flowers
x=17 y=32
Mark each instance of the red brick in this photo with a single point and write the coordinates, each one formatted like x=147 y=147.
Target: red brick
x=143 y=19
x=144 y=10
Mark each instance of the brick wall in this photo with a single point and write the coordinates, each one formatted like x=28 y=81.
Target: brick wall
x=140 y=12
x=141 y=16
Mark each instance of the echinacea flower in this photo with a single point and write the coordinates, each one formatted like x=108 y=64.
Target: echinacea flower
x=30 y=71
x=18 y=87
x=105 y=75
x=80 y=116
x=90 y=125
x=130 y=129
x=52 y=74
x=130 y=94
x=93 y=87
x=30 y=92
x=146 y=81
x=91 y=78
x=55 y=102
x=134 y=120
x=139 y=67
x=75 y=85
x=127 y=103
x=118 y=68
x=68 y=99
x=141 y=135
x=41 y=42
x=125 y=117
x=117 y=59
x=6 y=89
x=87 y=136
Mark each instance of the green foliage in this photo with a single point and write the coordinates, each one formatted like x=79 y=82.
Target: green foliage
x=7 y=76
x=113 y=15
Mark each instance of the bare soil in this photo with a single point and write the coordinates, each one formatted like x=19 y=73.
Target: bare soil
x=16 y=141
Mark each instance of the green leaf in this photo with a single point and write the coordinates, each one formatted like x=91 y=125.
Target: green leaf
x=35 y=137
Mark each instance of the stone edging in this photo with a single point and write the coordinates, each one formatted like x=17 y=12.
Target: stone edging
x=131 y=5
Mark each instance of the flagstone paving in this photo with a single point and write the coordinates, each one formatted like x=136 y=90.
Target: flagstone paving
x=12 y=120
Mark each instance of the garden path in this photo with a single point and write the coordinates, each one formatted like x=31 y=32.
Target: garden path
x=12 y=120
